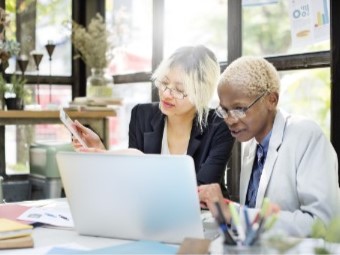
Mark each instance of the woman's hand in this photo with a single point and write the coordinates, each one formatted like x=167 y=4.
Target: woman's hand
x=91 y=139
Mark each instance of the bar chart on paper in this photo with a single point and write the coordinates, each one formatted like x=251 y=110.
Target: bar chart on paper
x=322 y=13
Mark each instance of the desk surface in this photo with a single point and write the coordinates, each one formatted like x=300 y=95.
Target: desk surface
x=46 y=238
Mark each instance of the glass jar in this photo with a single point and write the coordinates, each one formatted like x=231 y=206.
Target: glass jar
x=98 y=84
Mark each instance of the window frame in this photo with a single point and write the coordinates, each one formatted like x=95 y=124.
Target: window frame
x=82 y=11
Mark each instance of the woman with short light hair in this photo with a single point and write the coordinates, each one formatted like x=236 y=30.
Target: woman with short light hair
x=286 y=158
x=181 y=122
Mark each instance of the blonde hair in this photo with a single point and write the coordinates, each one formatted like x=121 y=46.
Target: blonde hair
x=201 y=76
x=254 y=75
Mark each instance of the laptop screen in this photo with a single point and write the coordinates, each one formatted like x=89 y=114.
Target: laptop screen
x=150 y=197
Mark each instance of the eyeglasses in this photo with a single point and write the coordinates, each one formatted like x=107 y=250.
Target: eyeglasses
x=163 y=86
x=238 y=113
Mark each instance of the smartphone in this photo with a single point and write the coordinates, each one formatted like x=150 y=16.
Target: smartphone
x=68 y=123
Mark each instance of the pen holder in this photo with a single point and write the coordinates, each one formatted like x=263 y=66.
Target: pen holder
x=242 y=249
x=243 y=234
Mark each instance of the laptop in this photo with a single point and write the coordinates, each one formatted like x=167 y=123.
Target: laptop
x=149 y=197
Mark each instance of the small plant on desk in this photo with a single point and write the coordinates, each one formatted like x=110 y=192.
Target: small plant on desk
x=17 y=92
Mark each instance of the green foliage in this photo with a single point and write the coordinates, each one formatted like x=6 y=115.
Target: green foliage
x=318 y=230
x=331 y=232
x=18 y=86
x=3 y=86
x=266 y=29
x=321 y=250
x=19 y=167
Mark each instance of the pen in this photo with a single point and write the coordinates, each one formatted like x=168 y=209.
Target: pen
x=265 y=207
x=260 y=218
x=63 y=217
x=228 y=239
x=237 y=222
x=262 y=212
x=270 y=222
x=50 y=215
x=226 y=201
x=246 y=218
x=255 y=234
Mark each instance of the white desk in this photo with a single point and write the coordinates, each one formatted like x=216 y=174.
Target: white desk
x=46 y=238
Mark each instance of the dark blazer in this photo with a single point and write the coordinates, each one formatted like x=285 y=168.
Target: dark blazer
x=210 y=149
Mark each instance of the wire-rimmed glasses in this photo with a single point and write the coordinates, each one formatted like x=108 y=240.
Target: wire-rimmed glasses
x=163 y=86
x=238 y=113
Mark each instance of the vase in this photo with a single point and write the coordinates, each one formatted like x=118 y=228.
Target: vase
x=98 y=84
x=14 y=103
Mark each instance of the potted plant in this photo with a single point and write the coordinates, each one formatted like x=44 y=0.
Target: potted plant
x=18 y=92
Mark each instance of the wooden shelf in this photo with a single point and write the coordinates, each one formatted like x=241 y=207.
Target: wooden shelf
x=26 y=117
x=55 y=114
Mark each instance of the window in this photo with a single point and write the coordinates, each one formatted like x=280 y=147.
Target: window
x=307 y=93
x=267 y=31
x=196 y=22
x=40 y=22
x=130 y=23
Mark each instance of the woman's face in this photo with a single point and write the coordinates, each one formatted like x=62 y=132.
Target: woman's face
x=258 y=119
x=171 y=86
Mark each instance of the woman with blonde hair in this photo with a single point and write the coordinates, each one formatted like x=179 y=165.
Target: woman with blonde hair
x=181 y=122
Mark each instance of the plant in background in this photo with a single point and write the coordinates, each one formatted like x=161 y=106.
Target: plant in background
x=3 y=90
x=8 y=48
x=91 y=43
x=3 y=86
x=17 y=86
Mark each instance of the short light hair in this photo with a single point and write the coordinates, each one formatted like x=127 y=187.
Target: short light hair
x=254 y=75
x=202 y=73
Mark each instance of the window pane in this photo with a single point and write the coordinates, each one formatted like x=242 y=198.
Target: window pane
x=194 y=22
x=20 y=137
x=267 y=31
x=307 y=92
x=130 y=22
x=41 y=23
x=133 y=93
x=48 y=97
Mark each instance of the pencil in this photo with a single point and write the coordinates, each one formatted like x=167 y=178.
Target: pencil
x=237 y=222
x=228 y=239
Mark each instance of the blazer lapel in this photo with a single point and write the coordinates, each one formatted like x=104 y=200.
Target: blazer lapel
x=272 y=154
x=247 y=165
x=153 y=139
x=195 y=139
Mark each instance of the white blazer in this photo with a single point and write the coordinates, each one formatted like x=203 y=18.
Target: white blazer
x=300 y=174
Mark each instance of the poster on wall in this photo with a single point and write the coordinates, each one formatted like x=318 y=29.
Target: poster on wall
x=309 y=21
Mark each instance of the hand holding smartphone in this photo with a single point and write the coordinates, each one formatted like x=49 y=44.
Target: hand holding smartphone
x=68 y=123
